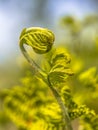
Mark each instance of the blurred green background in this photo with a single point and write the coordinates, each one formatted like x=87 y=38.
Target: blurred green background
x=74 y=22
x=16 y=15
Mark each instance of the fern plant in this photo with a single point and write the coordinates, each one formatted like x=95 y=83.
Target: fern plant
x=41 y=40
x=27 y=106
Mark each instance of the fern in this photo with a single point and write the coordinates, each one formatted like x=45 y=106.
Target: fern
x=30 y=105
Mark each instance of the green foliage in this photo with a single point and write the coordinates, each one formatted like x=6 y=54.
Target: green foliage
x=89 y=78
x=60 y=69
x=28 y=107
x=23 y=103
x=32 y=106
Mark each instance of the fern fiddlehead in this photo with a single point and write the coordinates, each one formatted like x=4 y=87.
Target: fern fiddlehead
x=41 y=40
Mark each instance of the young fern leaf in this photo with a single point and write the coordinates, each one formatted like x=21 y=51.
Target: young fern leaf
x=60 y=69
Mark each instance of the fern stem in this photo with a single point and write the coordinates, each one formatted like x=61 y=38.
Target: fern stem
x=66 y=118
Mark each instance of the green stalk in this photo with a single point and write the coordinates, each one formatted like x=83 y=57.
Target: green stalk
x=33 y=64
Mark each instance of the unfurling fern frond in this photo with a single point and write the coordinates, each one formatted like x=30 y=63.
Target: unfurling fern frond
x=40 y=39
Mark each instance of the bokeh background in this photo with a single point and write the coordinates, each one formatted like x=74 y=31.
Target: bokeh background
x=18 y=14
